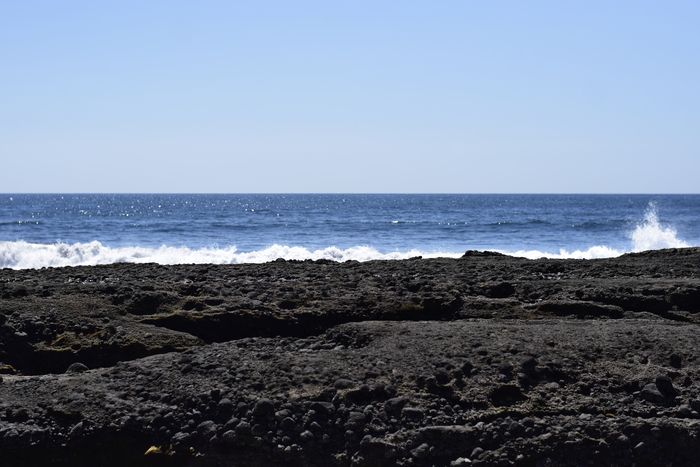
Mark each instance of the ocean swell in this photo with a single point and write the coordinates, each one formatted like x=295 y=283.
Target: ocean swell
x=649 y=234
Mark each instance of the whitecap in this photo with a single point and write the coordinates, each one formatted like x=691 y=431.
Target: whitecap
x=651 y=235
x=24 y=255
x=594 y=252
x=648 y=234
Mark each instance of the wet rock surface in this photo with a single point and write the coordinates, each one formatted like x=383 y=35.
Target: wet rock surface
x=483 y=360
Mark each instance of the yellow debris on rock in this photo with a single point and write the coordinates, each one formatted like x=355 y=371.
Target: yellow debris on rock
x=158 y=450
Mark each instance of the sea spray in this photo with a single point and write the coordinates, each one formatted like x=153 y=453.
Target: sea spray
x=648 y=234
x=651 y=235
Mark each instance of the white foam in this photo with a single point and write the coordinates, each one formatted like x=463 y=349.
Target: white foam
x=594 y=252
x=24 y=255
x=650 y=235
x=647 y=235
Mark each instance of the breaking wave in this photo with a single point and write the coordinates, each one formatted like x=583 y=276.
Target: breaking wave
x=23 y=255
x=595 y=252
x=649 y=234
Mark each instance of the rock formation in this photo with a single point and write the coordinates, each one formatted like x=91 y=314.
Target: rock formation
x=483 y=360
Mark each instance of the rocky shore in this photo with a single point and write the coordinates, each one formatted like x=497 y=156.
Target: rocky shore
x=482 y=360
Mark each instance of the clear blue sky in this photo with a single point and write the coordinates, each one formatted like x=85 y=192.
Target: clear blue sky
x=350 y=96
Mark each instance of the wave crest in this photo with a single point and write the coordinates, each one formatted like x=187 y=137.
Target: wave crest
x=24 y=255
x=649 y=234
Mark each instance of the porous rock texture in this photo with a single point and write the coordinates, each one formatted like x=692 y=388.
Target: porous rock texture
x=482 y=360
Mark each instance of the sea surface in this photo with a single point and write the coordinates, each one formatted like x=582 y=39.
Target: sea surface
x=38 y=230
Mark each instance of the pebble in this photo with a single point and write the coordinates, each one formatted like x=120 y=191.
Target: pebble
x=421 y=451
x=77 y=368
x=651 y=393
x=343 y=384
x=553 y=386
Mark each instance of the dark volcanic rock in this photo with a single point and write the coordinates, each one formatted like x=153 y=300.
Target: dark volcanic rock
x=484 y=360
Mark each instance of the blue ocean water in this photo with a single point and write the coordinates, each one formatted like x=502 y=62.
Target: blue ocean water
x=39 y=230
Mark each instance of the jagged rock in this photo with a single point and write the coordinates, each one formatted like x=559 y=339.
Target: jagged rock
x=487 y=360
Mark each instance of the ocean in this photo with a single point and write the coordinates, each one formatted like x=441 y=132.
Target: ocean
x=41 y=230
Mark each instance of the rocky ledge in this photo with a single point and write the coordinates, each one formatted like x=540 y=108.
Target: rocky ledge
x=483 y=360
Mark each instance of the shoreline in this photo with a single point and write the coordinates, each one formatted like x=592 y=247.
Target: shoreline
x=485 y=360
x=30 y=256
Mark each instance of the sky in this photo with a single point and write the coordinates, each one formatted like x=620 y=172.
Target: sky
x=349 y=96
